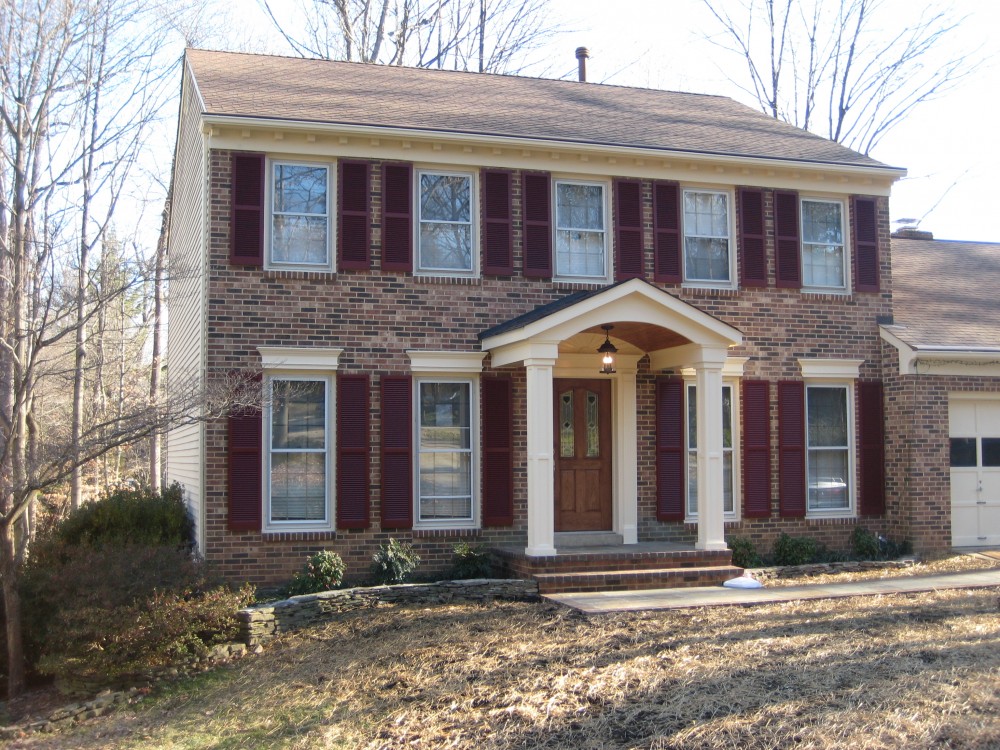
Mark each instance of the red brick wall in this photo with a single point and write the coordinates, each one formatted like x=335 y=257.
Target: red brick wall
x=376 y=316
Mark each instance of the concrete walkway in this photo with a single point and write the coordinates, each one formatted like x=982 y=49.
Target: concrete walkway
x=628 y=601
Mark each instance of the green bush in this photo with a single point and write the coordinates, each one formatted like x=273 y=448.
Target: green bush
x=394 y=562
x=322 y=572
x=864 y=544
x=744 y=553
x=471 y=562
x=99 y=613
x=795 y=550
x=131 y=516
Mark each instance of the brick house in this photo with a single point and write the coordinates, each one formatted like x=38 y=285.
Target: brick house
x=424 y=265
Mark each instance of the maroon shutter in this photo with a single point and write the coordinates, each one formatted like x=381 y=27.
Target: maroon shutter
x=397 y=217
x=786 y=240
x=753 y=257
x=756 y=448
x=628 y=229
x=498 y=459
x=537 y=199
x=397 y=452
x=352 y=452
x=354 y=218
x=246 y=219
x=792 y=448
x=667 y=232
x=670 y=453
x=870 y=413
x=866 y=244
x=498 y=237
x=245 y=470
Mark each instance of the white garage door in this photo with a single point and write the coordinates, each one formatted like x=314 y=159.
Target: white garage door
x=975 y=472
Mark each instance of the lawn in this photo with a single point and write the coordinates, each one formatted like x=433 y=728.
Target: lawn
x=919 y=671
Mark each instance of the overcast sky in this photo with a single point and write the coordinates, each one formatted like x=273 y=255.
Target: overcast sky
x=949 y=146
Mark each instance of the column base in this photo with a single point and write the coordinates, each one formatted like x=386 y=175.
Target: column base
x=540 y=551
x=711 y=546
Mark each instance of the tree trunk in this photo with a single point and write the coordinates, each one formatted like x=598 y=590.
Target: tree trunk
x=162 y=244
x=12 y=612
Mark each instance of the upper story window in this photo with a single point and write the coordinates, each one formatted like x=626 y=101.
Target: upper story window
x=300 y=214
x=581 y=230
x=823 y=256
x=828 y=444
x=707 y=257
x=445 y=234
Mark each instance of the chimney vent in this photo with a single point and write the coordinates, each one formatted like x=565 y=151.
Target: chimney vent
x=582 y=53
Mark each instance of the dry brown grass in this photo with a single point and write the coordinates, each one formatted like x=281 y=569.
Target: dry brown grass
x=920 y=671
x=952 y=563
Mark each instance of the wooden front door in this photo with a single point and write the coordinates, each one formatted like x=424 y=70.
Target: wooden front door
x=583 y=455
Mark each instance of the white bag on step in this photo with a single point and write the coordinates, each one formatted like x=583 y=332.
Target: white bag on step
x=743 y=582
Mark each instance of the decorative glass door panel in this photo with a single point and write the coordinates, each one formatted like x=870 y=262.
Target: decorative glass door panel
x=583 y=455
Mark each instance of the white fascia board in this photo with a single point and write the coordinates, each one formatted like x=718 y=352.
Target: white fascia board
x=632 y=301
x=830 y=369
x=445 y=362
x=499 y=141
x=944 y=360
x=299 y=357
x=520 y=351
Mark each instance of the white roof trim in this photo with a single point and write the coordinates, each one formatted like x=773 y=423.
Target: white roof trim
x=445 y=362
x=944 y=360
x=299 y=357
x=831 y=369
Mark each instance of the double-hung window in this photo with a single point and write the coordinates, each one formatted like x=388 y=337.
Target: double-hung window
x=828 y=448
x=728 y=495
x=300 y=215
x=445 y=234
x=445 y=465
x=297 y=443
x=581 y=230
x=707 y=256
x=823 y=258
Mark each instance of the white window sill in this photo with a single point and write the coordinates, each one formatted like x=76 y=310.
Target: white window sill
x=299 y=267
x=445 y=526
x=816 y=515
x=725 y=286
x=292 y=527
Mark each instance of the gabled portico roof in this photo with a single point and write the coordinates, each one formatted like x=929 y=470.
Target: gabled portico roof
x=634 y=306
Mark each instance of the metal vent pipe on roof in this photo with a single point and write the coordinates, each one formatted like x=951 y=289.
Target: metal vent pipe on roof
x=582 y=53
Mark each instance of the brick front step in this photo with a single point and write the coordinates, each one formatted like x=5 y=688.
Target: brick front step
x=633 y=580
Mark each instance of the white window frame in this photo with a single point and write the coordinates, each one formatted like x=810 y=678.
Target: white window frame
x=733 y=515
x=845 y=288
x=418 y=265
x=729 y=283
x=606 y=203
x=850 y=448
x=331 y=187
x=472 y=382
x=327 y=379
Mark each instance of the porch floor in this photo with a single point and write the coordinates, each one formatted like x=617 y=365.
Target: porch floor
x=629 y=567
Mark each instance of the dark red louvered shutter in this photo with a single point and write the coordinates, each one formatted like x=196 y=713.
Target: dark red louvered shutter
x=788 y=260
x=245 y=470
x=670 y=453
x=354 y=218
x=756 y=438
x=752 y=253
x=872 y=430
x=246 y=217
x=866 y=261
x=792 y=448
x=397 y=452
x=536 y=195
x=667 y=232
x=498 y=459
x=353 y=451
x=498 y=237
x=628 y=229
x=397 y=217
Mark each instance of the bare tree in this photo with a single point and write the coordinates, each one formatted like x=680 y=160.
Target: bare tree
x=841 y=68
x=496 y=36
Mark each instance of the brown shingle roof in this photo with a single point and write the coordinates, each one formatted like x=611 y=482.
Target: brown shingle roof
x=945 y=294
x=323 y=91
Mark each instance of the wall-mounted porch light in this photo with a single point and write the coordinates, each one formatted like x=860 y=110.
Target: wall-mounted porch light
x=608 y=350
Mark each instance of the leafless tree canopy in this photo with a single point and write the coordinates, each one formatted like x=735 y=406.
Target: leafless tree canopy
x=496 y=36
x=845 y=69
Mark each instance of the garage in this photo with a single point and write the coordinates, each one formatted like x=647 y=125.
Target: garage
x=974 y=431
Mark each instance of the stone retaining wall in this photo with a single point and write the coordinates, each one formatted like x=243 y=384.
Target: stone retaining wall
x=818 y=569
x=263 y=622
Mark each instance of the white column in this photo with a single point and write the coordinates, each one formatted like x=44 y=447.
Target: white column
x=541 y=468
x=711 y=510
x=626 y=457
